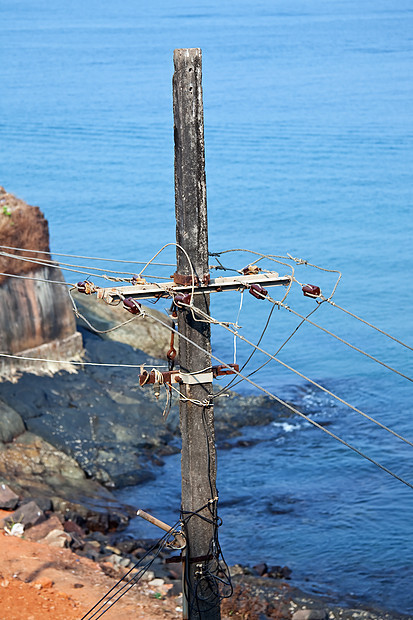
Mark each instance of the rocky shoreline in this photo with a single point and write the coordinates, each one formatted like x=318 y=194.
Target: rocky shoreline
x=78 y=435
x=260 y=592
x=67 y=440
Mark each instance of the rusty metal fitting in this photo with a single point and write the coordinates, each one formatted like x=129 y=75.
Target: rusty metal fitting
x=182 y=298
x=168 y=377
x=182 y=280
x=223 y=370
x=250 y=270
x=258 y=291
x=132 y=306
x=137 y=280
x=311 y=290
x=86 y=287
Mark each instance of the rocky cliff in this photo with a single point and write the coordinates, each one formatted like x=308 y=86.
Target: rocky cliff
x=36 y=318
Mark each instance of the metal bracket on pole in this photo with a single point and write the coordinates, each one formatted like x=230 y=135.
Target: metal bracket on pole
x=197 y=379
x=176 y=376
x=178 y=542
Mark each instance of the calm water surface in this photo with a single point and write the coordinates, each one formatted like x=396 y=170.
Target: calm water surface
x=309 y=131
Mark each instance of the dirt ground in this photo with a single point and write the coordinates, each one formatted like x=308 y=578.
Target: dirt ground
x=39 y=582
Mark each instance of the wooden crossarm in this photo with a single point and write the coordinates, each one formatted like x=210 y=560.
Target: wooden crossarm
x=157 y=289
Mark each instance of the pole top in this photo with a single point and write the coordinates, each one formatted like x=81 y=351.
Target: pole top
x=185 y=55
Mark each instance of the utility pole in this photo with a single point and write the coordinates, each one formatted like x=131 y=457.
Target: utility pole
x=198 y=463
x=190 y=293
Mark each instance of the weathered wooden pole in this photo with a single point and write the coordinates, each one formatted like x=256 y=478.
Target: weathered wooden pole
x=197 y=421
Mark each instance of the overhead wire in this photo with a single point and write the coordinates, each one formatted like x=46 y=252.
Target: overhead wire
x=272 y=357
x=179 y=247
x=250 y=374
x=291 y=408
x=79 y=268
x=72 y=362
x=234 y=381
x=318 y=385
x=280 y=260
x=300 y=261
x=259 y=387
x=262 y=256
x=327 y=331
x=117 y=591
x=332 y=303
x=112 y=260
x=92 y=327
x=256 y=347
x=25 y=277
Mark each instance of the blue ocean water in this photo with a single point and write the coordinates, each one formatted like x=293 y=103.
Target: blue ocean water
x=309 y=136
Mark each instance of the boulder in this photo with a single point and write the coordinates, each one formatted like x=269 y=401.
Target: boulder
x=310 y=614
x=261 y=569
x=8 y=499
x=41 y=530
x=57 y=538
x=28 y=515
x=44 y=503
x=145 y=334
x=11 y=424
x=36 y=468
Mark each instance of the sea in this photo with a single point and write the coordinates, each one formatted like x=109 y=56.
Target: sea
x=308 y=109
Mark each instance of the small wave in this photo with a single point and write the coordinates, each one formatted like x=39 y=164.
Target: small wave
x=287 y=427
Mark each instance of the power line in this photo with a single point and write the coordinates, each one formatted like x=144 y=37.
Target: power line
x=246 y=378
x=273 y=357
x=56 y=265
x=352 y=346
x=256 y=347
x=112 y=260
x=116 y=593
x=300 y=261
x=66 y=267
x=92 y=327
x=256 y=385
x=13 y=275
x=76 y=363
x=231 y=384
x=293 y=409
x=44 y=261
x=369 y=324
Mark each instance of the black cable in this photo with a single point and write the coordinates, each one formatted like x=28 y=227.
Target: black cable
x=214 y=582
x=106 y=599
x=231 y=383
x=290 y=407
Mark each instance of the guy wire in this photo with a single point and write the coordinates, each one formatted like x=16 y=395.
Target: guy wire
x=352 y=346
x=272 y=357
x=293 y=409
x=369 y=324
